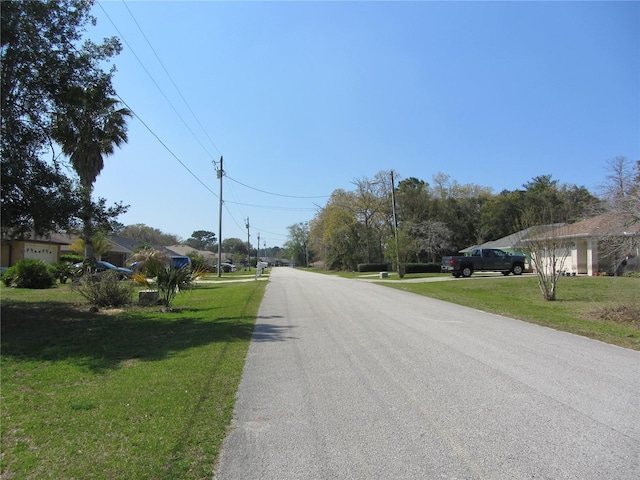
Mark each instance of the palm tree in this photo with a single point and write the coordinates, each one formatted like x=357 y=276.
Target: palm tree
x=87 y=129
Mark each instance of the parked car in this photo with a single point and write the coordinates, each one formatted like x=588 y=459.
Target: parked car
x=180 y=261
x=225 y=267
x=102 y=266
x=485 y=259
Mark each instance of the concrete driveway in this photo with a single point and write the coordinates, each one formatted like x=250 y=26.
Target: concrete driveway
x=351 y=380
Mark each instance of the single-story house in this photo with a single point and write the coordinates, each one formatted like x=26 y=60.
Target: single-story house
x=50 y=248
x=45 y=248
x=514 y=243
x=275 y=262
x=584 y=247
x=511 y=243
x=605 y=244
x=119 y=254
x=208 y=256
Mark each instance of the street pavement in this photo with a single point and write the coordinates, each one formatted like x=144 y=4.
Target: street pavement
x=346 y=379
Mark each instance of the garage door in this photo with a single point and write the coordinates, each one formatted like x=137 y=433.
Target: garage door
x=46 y=253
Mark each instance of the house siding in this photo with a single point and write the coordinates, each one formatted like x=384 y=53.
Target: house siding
x=15 y=250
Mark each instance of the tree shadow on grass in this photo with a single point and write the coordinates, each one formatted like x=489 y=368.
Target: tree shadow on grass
x=57 y=331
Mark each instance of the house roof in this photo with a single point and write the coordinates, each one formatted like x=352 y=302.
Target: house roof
x=186 y=249
x=605 y=225
x=127 y=245
x=599 y=226
x=512 y=241
x=120 y=244
x=55 y=238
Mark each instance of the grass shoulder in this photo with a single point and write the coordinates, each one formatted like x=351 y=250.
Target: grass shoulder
x=122 y=393
x=602 y=308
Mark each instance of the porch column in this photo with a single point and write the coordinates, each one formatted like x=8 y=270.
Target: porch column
x=592 y=257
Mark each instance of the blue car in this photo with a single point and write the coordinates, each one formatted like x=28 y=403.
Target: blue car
x=102 y=266
x=180 y=261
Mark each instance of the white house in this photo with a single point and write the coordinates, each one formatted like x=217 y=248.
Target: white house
x=605 y=244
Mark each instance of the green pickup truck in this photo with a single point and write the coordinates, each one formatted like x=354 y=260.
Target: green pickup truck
x=483 y=259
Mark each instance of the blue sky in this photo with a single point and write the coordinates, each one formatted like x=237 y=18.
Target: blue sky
x=301 y=98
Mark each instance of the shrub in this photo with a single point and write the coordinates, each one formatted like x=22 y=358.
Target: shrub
x=171 y=280
x=29 y=273
x=62 y=271
x=71 y=258
x=149 y=261
x=105 y=289
x=197 y=260
x=423 y=268
x=373 y=267
x=7 y=276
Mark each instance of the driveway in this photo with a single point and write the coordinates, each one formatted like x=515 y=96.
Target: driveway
x=347 y=379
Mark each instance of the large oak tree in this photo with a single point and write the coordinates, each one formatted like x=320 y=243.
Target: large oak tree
x=43 y=60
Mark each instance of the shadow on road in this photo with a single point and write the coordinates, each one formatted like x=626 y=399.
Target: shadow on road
x=268 y=332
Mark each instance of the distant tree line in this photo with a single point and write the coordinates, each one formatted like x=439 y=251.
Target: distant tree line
x=442 y=216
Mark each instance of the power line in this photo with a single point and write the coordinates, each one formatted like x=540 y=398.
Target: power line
x=276 y=194
x=224 y=203
x=166 y=147
x=149 y=128
x=266 y=207
x=170 y=77
x=156 y=83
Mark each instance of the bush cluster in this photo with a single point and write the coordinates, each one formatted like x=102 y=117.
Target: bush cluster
x=105 y=289
x=29 y=273
x=61 y=271
x=171 y=280
x=373 y=267
x=422 y=268
x=71 y=258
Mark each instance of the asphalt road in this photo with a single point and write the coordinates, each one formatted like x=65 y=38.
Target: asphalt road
x=350 y=380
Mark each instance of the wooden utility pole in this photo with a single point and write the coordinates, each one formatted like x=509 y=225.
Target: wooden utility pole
x=220 y=175
x=395 y=221
x=248 y=246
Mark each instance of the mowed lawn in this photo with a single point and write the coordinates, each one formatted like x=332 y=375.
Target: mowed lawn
x=139 y=394
x=124 y=394
x=602 y=308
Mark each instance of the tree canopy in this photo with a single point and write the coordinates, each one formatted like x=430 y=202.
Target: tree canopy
x=148 y=235
x=202 y=240
x=235 y=246
x=434 y=219
x=297 y=246
x=88 y=128
x=43 y=58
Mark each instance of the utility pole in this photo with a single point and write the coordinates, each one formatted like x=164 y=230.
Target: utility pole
x=248 y=246
x=395 y=221
x=220 y=175
x=258 y=251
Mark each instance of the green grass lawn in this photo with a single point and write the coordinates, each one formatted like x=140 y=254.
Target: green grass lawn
x=139 y=394
x=603 y=308
x=131 y=393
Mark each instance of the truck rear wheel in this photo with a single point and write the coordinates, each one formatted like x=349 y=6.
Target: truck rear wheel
x=518 y=269
x=466 y=271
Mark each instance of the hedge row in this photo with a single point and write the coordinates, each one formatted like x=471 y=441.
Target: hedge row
x=408 y=268
x=422 y=268
x=373 y=267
